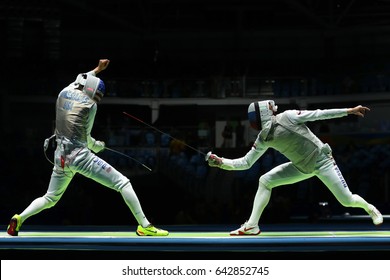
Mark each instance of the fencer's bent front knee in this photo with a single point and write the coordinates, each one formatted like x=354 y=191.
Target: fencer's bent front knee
x=114 y=180
x=121 y=182
x=51 y=200
x=264 y=181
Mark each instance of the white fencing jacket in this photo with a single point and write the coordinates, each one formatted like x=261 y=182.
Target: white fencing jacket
x=291 y=137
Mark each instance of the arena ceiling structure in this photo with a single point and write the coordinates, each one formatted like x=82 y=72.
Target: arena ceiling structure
x=238 y=15
x=204 y=15
x=192 y=31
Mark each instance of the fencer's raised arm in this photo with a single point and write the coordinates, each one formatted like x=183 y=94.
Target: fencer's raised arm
x=241 y=163
x=103 y=64
x=302 y=116
x=297 y=116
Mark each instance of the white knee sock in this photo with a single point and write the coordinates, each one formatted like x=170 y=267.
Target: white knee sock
x=133 y=203
x=262 y=197
x=39 y=204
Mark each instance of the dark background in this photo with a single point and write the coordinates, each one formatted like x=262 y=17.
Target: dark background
x=301 y=53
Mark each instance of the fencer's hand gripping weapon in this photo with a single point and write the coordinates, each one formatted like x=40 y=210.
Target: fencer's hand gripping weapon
x=47 y=141
x=213 y=160
x=46 y=145
x=206 y=156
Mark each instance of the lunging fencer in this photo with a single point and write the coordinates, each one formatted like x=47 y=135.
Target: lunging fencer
x=308 y=156
x=76 y=150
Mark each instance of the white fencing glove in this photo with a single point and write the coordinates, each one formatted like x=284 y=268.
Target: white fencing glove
x=98 y=146
x=46 y=142
x=214 y=160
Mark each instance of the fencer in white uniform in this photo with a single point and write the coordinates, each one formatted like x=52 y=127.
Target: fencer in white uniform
x=76 y=152
x=308 y=156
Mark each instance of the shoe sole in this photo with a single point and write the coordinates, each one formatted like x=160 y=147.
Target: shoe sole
x=139 y=233
x=240 y=233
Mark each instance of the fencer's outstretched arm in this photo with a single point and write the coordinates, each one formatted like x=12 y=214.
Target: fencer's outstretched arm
x=241 y=163
x=103 y=64
x=358 y=110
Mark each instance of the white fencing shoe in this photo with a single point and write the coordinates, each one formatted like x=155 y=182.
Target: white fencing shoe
x=375 y=215
x=246 y=229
